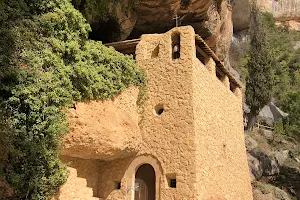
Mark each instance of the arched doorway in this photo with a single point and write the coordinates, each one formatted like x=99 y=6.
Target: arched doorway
x=145 y=180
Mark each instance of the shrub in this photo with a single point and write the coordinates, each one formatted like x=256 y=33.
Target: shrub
x=47 y=63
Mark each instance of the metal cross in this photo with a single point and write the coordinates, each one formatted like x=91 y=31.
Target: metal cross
x=176 y=18
x=135 y=187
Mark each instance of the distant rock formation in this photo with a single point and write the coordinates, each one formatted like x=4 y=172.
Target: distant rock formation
x=283 y=10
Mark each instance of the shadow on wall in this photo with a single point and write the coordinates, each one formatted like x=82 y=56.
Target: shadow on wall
x=86 y=169
x=102 y=177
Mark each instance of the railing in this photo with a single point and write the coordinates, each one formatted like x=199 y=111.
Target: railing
x=258 y=125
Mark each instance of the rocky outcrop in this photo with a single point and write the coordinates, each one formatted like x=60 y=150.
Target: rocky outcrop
x=263 y=163
x=269 y=163
x=240 y=14
x=104 y=130
x=250 y=143
x=281 y=156
x=255 y=167
x=126 y=20
x=275 y=172
x=130 y=19
x=283 y=10
x=262 y=191
x=210 y=19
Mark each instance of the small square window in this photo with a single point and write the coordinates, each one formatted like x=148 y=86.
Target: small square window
x=117 y=185
x=172 y=183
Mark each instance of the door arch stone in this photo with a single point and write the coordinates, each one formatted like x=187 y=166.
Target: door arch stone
x=132 y=170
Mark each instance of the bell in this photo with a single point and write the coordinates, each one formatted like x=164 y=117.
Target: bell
x=176 y=48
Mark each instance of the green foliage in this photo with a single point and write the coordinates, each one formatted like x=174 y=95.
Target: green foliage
x=278 y=127
x=291 y=104
x=284 y=58
x=286 y=68
x=280 y=46
x=284 y=61
x=47 y=63
x=259 y=82
x=4 y=141
x=93 y=9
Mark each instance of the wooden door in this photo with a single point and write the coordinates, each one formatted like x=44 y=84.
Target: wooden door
x=145 y=183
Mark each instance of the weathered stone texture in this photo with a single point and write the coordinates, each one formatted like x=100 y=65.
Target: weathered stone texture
x=221 y=168
x=104 y=129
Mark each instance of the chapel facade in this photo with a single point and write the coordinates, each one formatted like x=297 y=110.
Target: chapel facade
x=191 y=142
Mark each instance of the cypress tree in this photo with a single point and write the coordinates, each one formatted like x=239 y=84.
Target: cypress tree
x=259 y=82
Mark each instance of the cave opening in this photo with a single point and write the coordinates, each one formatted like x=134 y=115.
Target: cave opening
x=106 y=31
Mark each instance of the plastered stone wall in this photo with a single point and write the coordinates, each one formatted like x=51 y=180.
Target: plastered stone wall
x=169 y=137
x=222 y=171
x=196 y=139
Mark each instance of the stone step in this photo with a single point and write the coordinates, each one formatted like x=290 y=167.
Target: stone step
x=73 y=177
x=72 y=172
x=76 y=188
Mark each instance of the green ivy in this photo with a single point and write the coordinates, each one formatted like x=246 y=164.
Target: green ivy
x=101 y=10
x=47 y=63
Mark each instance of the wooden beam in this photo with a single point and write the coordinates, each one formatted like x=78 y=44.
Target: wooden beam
x=201 y=52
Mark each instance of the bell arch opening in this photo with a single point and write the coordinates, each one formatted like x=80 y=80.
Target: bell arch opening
x=175 y=45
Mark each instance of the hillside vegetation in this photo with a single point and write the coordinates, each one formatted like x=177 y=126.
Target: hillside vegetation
x=268 y=59
x=285 y=69
x=46 y=64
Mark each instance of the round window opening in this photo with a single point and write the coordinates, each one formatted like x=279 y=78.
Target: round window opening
x=159 y=109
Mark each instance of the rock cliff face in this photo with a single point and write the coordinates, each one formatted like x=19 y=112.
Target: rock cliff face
x=283 y=10
x=211 y=19
x=274 y=165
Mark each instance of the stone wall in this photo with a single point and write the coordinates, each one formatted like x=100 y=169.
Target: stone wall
x=222 y=171
x=169 y=137
x=82 y=181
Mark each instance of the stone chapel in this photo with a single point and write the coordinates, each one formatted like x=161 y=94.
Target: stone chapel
x=184 y=141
